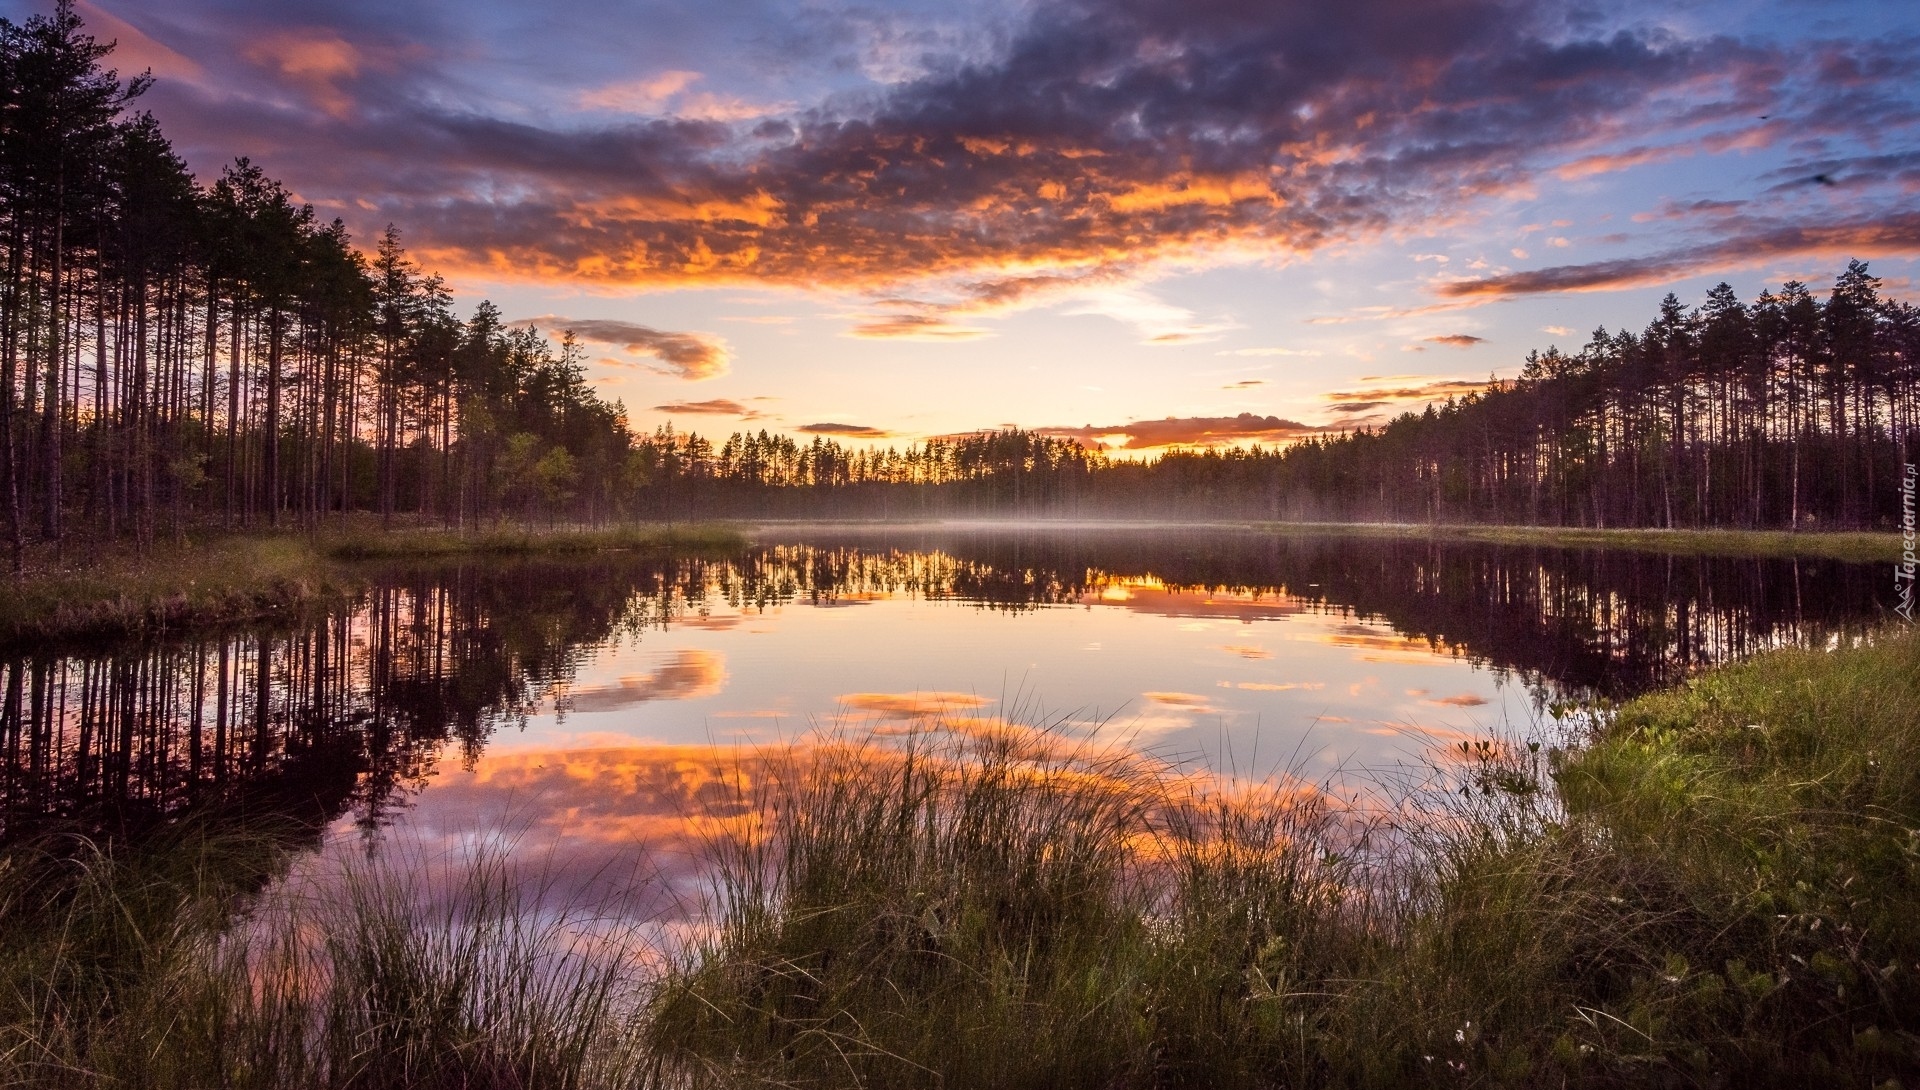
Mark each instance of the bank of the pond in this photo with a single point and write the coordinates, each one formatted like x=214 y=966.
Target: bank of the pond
x=1850 y=545
x=1856 y=546
x=1719 y=886
x=89 y=592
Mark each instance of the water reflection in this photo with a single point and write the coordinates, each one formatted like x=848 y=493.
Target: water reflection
x=603 y=687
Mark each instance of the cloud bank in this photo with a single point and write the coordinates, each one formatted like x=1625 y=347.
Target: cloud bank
x=1080 y=140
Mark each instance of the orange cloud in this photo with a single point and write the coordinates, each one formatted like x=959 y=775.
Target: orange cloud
x=136 y=51
x=1893 y=234
x=692 y=356
x=845 y=431
x=1193 y=431
x=915 y=327
x=718 y=406
x=912 y=705
x=1463 y=700
x=1190 y=701
x=689 y=675
x=317 y=61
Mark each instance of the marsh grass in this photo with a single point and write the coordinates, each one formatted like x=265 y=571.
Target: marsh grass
x=170 y=968
x=1718 y=885
x=88 y=595
x=695 y=539
x=111 y=592
x=1000 y=910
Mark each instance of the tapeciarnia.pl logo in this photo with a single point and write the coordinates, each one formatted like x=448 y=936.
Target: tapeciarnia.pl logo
x=1903 y=572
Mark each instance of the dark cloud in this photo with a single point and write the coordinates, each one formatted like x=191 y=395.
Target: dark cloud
x=1195 y=431
x=845 y=431
x=1457 y=340
x=1245 y=384
x=686 y=355
x=1094 y=136
x=1894 y=233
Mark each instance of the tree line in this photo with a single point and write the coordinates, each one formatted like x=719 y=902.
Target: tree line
x=173 y=352
x=1792 y=411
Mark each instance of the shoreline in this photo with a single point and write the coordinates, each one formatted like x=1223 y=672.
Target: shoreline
x=108 y=593
x=244 y=578
x=1854 y=546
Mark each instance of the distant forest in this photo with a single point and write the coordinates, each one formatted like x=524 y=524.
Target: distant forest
x=176 y=354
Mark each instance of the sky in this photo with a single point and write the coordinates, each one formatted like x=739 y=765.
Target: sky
x=1133 y=222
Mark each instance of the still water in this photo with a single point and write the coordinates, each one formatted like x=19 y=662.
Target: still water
x=593 y=706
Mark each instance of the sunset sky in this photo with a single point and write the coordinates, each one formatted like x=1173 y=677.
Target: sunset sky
x=1143 y=221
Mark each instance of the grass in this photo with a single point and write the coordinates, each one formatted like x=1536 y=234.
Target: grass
x=696 y=539
x=164 y=969
x=1716 y=885
x=112 y=592
x=1855 y=546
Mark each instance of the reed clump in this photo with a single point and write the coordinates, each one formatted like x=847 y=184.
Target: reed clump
x=168 y=968
x=1005 y=910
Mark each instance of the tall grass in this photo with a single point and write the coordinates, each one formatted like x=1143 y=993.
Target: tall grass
x=1004 y=911
x=169 y=969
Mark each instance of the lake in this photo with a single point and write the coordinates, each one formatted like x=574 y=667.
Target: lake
x=594 y=711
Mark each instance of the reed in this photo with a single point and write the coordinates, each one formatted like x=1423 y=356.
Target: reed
x=168 y=967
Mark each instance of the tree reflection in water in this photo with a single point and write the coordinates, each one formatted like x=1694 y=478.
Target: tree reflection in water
x=346 y=713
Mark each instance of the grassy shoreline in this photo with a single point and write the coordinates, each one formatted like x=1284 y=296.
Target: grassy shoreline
x=232 y=579
x=1716 y=885
x=1857 y=546
x=109 y=592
